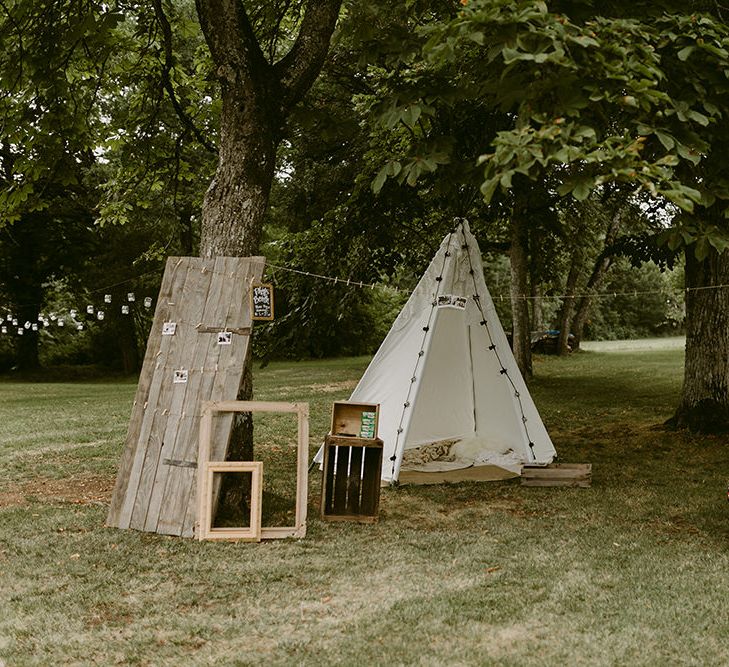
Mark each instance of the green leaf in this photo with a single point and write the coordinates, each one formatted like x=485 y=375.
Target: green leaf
x=702 y=249
x=688 y=153
x=379 y=180
x=665 y=139
x=698 y=117
x=488 y=188
x=582 y=190
x=684 y=53
x=477 y=37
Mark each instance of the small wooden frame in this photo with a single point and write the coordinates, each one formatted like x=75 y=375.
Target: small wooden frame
x=351 y=479
x=349 y=419
x=557 y=474
x=302 y=411
x=205 y=520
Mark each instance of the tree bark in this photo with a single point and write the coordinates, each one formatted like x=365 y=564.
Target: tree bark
x=521 y=333
x=704 y=405
x=567 y=309
x=237 y=199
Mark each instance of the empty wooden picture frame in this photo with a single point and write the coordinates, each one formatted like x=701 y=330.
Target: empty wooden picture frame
x=252 y=533
x=210 y=408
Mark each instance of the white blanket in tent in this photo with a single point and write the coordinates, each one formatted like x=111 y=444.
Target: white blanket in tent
x=463 y=453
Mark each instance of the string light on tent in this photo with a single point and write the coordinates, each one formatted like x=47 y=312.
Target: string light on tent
x=421 y=353
x=492 y=347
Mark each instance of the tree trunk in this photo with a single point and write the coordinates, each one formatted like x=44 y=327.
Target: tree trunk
x=127 y=339
x=599 y=271
x=187 y=236
x=567 y=309
x=26 y=347
x=237 y=199
x=25 y=289
x=257 y=97
x=537 y=305
x=704 y=405
x=521 y=333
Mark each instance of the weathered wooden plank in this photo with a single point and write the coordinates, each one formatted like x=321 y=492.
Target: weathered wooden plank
x=558 y=474
x=583 y=483
x=230 y=360
x=172 y=509
x=171 y=402
x=327 y=498
x=147 y=412
x=132 y=444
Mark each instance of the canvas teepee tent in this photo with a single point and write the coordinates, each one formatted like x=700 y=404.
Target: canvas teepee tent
x=445 y=372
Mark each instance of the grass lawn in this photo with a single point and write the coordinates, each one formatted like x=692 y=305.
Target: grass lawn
x=633 y=571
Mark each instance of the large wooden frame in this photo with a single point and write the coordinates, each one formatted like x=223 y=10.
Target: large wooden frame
x=205 y=519
x=210 y=408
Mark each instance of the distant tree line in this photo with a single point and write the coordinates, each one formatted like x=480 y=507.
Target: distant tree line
x=579 y=139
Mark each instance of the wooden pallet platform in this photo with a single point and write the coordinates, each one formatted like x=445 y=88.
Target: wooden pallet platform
x=558 y=474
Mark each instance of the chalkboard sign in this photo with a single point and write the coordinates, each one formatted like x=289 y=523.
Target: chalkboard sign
x=262 y=301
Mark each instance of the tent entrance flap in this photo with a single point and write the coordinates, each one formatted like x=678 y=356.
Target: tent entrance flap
x=442 y=409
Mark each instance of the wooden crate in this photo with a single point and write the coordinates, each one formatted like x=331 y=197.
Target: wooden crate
x=351 y=479
x=348 y=419
x=557 y=474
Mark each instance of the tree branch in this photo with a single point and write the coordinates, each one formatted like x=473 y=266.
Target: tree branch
x=167 y=81
x=233 y=44
x=298 y=69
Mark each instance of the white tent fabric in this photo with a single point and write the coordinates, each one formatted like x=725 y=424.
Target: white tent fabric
x=446 y=371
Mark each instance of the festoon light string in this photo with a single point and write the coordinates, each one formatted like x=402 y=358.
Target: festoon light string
x=504 y=371
x=421 y=354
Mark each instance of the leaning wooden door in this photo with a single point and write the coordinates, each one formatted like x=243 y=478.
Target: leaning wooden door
x=196 y=352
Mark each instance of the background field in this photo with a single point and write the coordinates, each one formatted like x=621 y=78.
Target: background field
x=633 y=571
